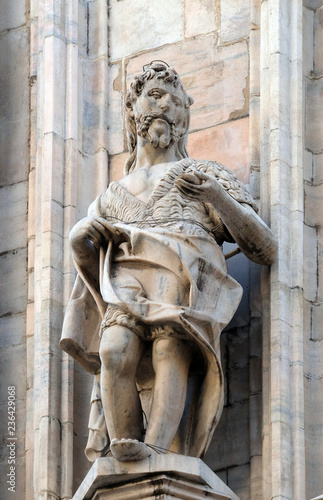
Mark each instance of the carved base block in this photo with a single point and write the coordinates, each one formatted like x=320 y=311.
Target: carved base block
x=159 y=476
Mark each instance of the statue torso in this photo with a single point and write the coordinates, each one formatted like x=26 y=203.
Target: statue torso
x=142 y=181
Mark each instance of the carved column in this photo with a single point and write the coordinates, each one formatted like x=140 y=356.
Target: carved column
x=281 y=116
x=68 y=164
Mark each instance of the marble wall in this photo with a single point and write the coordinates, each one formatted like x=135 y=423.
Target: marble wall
x=14 y=168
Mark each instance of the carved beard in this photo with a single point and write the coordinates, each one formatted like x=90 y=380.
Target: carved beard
x=158 y=130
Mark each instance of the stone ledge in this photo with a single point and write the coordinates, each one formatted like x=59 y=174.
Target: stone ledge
x=173 y=476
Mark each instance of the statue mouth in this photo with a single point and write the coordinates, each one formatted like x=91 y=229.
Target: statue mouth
x=159 y=129
x=144 y=121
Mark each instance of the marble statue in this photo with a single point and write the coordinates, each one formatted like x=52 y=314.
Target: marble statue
x=152 y=293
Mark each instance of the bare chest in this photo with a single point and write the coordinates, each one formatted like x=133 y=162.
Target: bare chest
x=142 y=182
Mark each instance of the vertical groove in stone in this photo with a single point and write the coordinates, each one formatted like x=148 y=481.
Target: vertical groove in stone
x=297 y=208
x=69 y=203
x=49 y=247
x=254 y=133
x=29 y=442
x=282 y=206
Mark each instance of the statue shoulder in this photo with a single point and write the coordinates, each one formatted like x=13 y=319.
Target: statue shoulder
x=96 y=207
x=228 y=180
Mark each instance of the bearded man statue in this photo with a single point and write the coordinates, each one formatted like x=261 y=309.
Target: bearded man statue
x=152 y=293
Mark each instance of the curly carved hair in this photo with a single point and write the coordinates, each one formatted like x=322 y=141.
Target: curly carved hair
x=161 y=71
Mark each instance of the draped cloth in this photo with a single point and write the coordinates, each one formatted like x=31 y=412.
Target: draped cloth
x=164 y=268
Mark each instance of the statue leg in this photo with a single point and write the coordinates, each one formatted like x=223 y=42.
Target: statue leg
x=171 y=362
x=120 y=353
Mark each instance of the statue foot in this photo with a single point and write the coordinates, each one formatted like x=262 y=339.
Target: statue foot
x=125 y=450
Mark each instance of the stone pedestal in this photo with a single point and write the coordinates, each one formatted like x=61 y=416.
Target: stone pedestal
x=159 y=476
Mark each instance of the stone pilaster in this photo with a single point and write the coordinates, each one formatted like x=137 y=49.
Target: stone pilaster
x=69 y=168
x=281 y=123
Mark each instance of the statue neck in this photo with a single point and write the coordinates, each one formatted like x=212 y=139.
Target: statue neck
x=147 y=155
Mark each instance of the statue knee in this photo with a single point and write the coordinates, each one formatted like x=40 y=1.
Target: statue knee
x=166 y=349
x=110 y=357
x=118 y=351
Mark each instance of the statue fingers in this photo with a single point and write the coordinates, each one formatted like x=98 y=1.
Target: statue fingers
x=100 y=230
x=190 y=177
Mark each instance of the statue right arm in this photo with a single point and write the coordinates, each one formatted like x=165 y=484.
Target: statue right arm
x=86 y=237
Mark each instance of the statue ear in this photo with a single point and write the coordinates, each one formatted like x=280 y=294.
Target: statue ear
x=129 y=109
x=190 y=100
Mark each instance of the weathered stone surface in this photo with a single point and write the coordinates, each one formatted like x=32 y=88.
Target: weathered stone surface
x=83 y=382
x=255 y=419
x=313 y=421
x=215 y=77
x=14 y=106
x=13 y=275
x=158 y=24
x=226 y=143
x=255 y=12
x=107 y=471
x=308 y=165
x=225 y=448
x=314 y=106
x=310 y=263
x=12 y=18
x=54 y=86
x=13 y=372
x=313 y=204
x=254 y=41
x=320 y=263
x=53 y=178
x=238 y=479
x=98 y=32
x=256 y=477
x=238 y=384
x=234 y=20
x=13 y=212
x=14 y=160
x=318 y=168
x=12 y=330
x=318 y=41
x=116 y=139
x=161 y=486
x=199 y=17
x=14 y=102
x=95 y=97
x=238 y=268
x=308 y=42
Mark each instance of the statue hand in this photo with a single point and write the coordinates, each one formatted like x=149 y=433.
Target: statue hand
x=88 y=233
x=198 y=186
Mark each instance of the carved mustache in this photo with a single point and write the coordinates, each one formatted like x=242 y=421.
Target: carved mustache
x=144 y=121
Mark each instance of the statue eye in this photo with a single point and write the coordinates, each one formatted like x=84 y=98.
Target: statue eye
x=155 y=93
x=176 y=101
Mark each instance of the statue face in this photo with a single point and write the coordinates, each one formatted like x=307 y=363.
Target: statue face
x=160 y=113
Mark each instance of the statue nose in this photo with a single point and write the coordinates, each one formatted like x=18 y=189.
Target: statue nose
x=164 y=106
x=165 y=103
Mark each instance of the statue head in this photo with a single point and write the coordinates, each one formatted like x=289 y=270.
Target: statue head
x=157 y=109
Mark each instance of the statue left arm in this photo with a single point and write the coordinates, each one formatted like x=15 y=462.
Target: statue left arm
x=254 y=238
